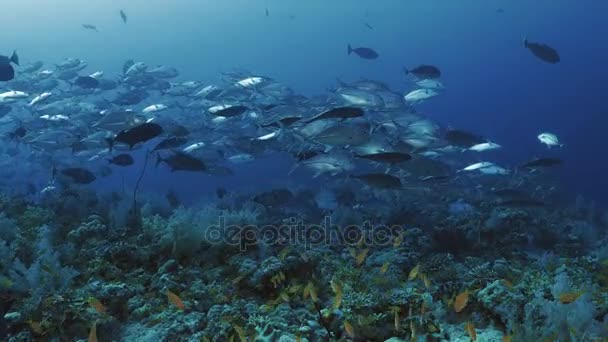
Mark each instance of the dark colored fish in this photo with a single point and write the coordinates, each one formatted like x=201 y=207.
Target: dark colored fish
x=231 y=111
x=123 y=16
x=267 y=12
x=172 y=199
x=182 y=162
x=18 y=133
x=87 y=82
x=542 y=162
x=363 y=52
x=122 y=160
x=338 y=113
x=543 y=51
x=424 y=71
x=463 y=139
x=137 y=134
x=7 y=72
x=380 y=180
x=90 y=27
x=14 y=58
x=79 y=175
x=368 y=26
x=169 y=143
x=387 y=157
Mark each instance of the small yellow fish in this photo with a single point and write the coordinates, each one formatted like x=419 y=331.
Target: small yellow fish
x=361 y=256
x=97 y=305
x=506 y=338
x=570 y=297
x=398 y=240
x=93 y=333
x=284 y=253
x=507 y=283
x=361 y=241
x=237 y=280
x=350 y=331
x=396 y=318
x=470 y=329
x=173 y=298
x=461 y=301
x=5 y=283
x=414 y=273
x=310 y=291
x=240 y=332
x=36 y=327
x=427 y=282
x=384 y=267
x=337 y=288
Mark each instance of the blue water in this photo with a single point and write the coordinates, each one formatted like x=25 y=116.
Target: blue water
x=494 y=86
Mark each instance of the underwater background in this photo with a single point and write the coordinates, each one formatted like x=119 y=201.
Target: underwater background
x=494 y=87
x=356 y=221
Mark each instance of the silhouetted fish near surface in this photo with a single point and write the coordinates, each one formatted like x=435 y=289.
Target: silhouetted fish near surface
x=7 y=72
x=122 y=160
x=368 y=26
x=137 y=134
x=87 y=82
x=182 y=162
x=123 y=16
x=543 y=51
x=90 y=27
x=363 y=52
x=267 y=12
x=424 y=71
x=79 y=175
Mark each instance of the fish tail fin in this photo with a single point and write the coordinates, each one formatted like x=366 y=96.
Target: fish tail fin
x=15 y=58
x=349 y=49
x=110 y=142
x=525 y=41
